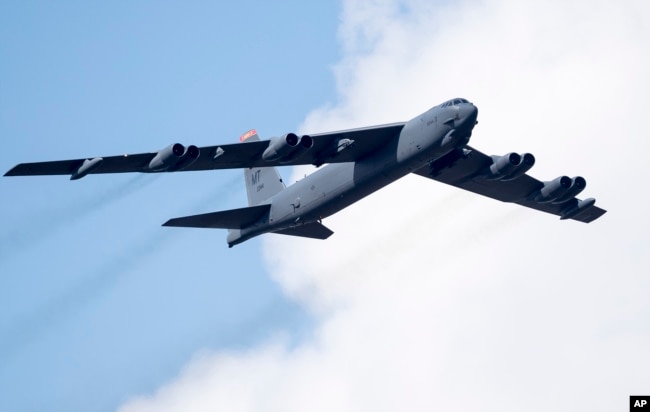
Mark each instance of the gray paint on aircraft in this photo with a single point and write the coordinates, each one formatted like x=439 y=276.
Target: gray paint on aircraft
x=359 y=162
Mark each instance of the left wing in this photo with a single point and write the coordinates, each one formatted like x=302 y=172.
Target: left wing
x=334 y=147
x=504 y=178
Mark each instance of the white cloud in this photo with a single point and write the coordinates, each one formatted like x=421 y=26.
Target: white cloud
x=431 y=298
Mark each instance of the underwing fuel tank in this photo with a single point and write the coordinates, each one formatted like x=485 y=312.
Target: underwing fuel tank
x=89 y=165
x=577 y=207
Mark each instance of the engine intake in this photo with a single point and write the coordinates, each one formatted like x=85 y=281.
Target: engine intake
x=288 y=147
x=174 y=157
x=191 y=154
x=553 y=190
x=510 y=166
x=578 y=184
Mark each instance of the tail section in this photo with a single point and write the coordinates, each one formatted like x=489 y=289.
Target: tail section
x=226 y=219
x=261 y=182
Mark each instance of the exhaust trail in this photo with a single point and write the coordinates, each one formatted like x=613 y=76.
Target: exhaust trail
x=215 y=197
x=48 y=222
x=100 y=280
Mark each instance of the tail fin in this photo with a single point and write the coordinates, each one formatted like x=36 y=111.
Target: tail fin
x=261 y=182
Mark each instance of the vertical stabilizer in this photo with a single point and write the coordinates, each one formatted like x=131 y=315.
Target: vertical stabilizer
x=261 y=182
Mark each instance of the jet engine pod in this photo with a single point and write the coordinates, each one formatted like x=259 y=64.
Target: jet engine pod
x=504 y=165
x=167 y=158
x=191 y=154
x=288 y=147
x=510 y=166
x=306 y=141
x=527 y=161
x=553 y=190
x=578 y=184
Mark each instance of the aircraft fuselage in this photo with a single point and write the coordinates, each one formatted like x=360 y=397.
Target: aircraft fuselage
x=333 y=187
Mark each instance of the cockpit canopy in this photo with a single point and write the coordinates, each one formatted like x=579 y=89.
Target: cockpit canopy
x=453 y=102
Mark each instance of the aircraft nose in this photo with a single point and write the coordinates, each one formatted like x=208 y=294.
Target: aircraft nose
x=468 y=113
x=466 y=119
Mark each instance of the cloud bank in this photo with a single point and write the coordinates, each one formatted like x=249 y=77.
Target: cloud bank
x=428 y=298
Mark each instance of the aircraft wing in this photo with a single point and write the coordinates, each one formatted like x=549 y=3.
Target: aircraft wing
x=333 y=147
x=113 y=164
x=503 y=178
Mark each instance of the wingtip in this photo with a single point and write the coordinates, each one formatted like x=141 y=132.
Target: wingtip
x=10 y=172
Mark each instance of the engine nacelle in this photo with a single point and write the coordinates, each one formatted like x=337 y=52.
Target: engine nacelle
x=288 y=147
x=167 y=157
x=578 y=184
x=174 y=157
x=510 y=166
x=553 y=190
x=191 y=154
x=527 y=161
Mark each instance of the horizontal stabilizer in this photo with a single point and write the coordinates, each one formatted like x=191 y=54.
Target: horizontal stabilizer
x=227 y=219
x=311 y=230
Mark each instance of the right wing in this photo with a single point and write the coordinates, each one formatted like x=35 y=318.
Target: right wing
x=332 y=147
x=503 y=178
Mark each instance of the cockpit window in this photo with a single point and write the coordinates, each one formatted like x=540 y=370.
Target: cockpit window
x=453 y=102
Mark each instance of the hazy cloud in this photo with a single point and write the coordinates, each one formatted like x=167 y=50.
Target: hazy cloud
x=431 y=298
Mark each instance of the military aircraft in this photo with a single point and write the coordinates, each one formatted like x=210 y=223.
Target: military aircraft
x=359 y=162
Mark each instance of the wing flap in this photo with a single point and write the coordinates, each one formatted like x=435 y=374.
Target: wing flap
x=226 y=219
x=467 y=169
x=313 y=230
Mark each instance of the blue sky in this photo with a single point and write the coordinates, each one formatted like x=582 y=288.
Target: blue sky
x=98 y=302
x=423 y=295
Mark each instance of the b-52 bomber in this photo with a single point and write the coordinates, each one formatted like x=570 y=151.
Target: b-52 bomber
x=357 y=163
